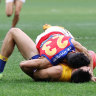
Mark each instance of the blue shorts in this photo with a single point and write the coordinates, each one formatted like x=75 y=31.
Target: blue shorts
x=35 y=57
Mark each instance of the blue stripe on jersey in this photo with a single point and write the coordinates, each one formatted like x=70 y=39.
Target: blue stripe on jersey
x=36 y=56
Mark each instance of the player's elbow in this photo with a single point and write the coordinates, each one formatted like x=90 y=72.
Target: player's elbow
x=22 y=66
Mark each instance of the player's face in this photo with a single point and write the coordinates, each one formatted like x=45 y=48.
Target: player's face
x=85 y=68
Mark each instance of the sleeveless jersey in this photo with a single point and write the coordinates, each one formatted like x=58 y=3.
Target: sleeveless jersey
x=55 y=48
x=66 y=73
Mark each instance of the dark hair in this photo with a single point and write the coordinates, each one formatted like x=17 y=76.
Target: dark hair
x=80 y=76
x=76 y=60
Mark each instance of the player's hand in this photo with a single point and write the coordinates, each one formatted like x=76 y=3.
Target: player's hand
x=93 y=79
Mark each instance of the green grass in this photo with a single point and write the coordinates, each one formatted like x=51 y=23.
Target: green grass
x=78 y=16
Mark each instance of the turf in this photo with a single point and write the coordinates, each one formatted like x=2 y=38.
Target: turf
x=78 y=16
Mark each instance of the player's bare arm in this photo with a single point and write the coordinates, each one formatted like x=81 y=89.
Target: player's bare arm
x=80 y=48
x=93 y=79
x=52 y=73
x=35 y=64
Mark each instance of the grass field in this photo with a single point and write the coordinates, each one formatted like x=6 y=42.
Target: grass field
x=78 y=16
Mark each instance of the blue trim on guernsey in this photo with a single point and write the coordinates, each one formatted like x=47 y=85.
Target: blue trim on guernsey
x=73 y=48
x=35 y=57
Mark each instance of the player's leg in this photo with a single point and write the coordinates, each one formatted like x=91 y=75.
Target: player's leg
x=25 y=45
x=6 y=50
x=9 y=7
x=18 y=6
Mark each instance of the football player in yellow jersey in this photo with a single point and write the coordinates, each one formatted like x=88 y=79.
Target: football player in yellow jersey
x=63 y=73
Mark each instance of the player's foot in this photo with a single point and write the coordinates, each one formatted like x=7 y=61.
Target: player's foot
x=46 y=26
x=1 y=75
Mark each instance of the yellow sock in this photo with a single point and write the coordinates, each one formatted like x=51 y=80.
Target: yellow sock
x=3 y=58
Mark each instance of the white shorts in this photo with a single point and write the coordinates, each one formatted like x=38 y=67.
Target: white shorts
x=54 y=28
x=7 y=1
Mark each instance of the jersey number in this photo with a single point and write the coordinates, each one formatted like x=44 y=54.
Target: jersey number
x=60 y=44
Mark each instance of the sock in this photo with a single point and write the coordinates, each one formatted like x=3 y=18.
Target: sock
x=3 y=61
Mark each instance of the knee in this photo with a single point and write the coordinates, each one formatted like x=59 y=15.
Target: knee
x=13 y=31
x=8 y=14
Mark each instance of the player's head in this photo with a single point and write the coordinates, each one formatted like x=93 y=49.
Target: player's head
x=80 y=75
x=76 y=60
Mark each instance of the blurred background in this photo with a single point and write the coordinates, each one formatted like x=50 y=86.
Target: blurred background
x=76 y=16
